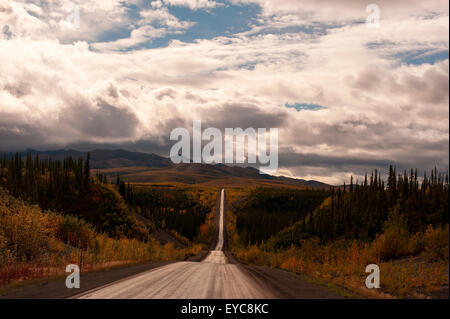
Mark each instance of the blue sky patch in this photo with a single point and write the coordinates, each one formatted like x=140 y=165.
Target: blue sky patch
x=423 y=56
x=223 y=20
x=414 y=57
x=305 y=106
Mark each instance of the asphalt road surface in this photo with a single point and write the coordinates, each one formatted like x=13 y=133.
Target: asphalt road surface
x=213 y=278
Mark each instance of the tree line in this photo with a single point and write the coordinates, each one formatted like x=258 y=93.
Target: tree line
x=66 y=186
x=360 y=210
x=44 y=181
x=267 y=211
x=169 y=208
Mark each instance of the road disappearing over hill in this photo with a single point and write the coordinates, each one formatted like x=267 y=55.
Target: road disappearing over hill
x=213 y=278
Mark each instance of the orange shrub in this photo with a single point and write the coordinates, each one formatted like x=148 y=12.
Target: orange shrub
x=436 y=243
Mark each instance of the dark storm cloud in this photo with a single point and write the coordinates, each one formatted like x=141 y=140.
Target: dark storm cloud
x=144 y=146
x=81 y=121
x=348 y=133
x=429 y=87
x=17 y=137
x=420 y=160
x=243 y=116
x=102 y=120
x=160 y=144
x=294 y=159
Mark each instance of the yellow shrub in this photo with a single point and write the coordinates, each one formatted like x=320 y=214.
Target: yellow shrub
x=394 y=241
x=436 y=243
x=416 y=243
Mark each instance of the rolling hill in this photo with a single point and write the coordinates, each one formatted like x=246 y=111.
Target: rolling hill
x=151 y=168
x=102 y=159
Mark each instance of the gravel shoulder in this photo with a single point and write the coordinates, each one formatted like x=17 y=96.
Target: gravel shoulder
x=56 y=288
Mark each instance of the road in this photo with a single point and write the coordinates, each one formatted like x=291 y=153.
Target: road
x=213 y=278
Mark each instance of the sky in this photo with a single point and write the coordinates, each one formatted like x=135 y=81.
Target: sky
x=347 y=96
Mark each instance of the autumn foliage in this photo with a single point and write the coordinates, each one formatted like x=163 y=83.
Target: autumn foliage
x=402 y=226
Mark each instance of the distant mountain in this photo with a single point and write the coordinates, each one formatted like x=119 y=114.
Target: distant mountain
x=152 y=168
x=55 y=154
x=121 y=158
x=102 y=159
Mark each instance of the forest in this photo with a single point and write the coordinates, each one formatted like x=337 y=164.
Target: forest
x=56 y=212
x=182 y=210
x=67 y=187
x=359 y=211
x=400 y=224
x=268 y=211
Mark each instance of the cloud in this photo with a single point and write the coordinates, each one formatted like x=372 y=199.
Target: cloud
x=163 y=17
x=152 y=24
x=346 y=10
x=380 y=109
x=138 y=36
x=146 y=32
x=65 y=20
